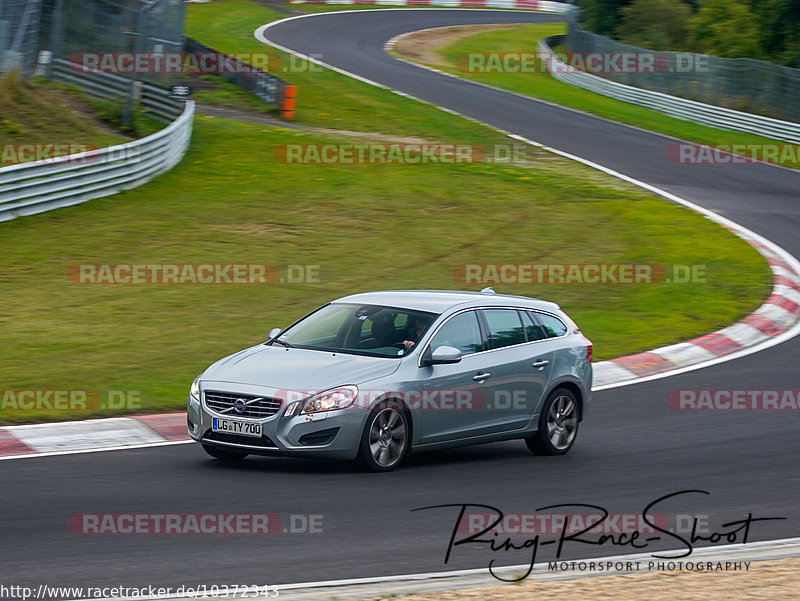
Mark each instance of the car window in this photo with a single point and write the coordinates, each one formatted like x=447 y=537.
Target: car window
x=505 y=327
x=532 y=327
x=553 y=327
x=359 y=329
x=461 y=332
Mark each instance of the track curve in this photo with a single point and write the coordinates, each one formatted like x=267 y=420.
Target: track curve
x=632 y=450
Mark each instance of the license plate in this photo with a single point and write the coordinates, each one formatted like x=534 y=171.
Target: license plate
x=230 y=426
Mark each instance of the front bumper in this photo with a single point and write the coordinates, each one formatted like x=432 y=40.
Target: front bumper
x=329 y=434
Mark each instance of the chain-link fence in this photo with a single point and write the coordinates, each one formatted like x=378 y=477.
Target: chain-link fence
x=738 y=83
x=71 y=28
x=19 y=34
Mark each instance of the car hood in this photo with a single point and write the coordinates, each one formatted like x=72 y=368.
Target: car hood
x=297 y=369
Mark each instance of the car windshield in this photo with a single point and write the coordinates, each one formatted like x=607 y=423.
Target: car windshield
x=371 y=330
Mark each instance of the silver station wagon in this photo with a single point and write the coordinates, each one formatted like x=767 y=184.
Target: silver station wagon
x=378 y=375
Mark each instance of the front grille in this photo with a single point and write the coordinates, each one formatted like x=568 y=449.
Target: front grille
x=264 y=441
x=256 y=406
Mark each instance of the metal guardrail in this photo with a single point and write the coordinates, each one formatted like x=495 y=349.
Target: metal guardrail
x=261 y=84
x=680 y=108
x=109 y=85
x=741 y=84
x=30 y=188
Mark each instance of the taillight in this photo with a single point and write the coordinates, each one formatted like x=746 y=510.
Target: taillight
x=589 y=347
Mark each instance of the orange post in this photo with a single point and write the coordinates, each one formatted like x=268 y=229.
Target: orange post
x=289 y=97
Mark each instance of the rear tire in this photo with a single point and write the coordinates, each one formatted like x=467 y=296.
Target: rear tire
x=558 y=424
x=385 y=439
x=222 y=454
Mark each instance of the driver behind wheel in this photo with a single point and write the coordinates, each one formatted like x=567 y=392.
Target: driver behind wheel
x=419 y=327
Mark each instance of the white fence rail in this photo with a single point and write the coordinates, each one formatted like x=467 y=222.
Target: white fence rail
x=30 y=188
x=680 y=108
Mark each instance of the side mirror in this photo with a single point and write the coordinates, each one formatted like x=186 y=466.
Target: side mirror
x=274 y=333
x=443 y=355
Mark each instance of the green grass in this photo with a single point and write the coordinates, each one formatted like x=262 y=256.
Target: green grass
x=38 y=113
x=367 y=227
x=539 y=84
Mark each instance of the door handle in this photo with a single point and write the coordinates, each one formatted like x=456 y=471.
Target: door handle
x=540 y=363
x=481 y=376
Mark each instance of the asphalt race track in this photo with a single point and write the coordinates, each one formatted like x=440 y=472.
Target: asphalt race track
x=632 y=448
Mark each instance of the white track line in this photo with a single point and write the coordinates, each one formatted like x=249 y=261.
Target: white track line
x=756 y=551
x=166 y=443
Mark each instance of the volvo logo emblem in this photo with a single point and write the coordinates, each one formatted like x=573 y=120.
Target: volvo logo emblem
x=239 y=406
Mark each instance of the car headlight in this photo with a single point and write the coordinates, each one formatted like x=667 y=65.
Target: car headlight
x=195 y=389
x=335 y=398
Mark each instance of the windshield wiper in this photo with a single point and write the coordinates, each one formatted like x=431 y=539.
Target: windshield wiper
x=286 y=344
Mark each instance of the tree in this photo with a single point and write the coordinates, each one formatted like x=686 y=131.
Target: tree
x=602 y=16
x=727 y=28
x=779 y=25
x=656 y=24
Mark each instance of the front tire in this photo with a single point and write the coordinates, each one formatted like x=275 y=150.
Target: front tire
x=385 y=440
x=222 y=454
x=558 y=424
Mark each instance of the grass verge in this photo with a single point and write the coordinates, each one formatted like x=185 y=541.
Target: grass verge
x=39 y=113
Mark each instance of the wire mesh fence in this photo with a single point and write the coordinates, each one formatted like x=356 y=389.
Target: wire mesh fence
x=742 y=84
x=72 y=28
x=19 y=34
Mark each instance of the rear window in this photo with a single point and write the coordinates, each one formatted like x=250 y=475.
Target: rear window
x=505 y=327
x=553 y=326
x=532 y=327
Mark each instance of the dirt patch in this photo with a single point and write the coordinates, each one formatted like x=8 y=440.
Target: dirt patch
x=87 y=111
x=777 y=580
x=254 y=116
x=424 y=46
